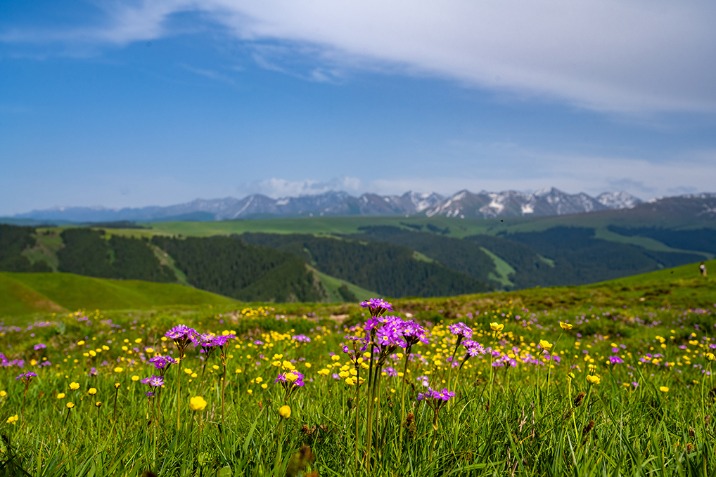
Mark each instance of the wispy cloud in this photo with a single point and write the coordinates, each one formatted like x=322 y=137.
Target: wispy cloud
x=277 y=187
x=607 y=55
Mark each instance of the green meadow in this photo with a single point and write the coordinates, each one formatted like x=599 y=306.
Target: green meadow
x=613 y=378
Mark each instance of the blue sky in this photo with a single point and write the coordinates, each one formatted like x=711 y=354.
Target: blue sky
x=133 y=103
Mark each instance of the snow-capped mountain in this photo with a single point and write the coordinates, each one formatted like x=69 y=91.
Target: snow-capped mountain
x=463 y=204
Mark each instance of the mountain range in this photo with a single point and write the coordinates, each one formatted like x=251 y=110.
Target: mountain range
x=463 y=204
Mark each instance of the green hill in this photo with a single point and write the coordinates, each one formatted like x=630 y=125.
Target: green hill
x=24 y=293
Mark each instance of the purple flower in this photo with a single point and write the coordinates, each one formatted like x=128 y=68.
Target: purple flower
x=181 y=333
x=413 y=333
x=301 y=338
x=615 y=360
x=435 y=395
x=460 y=329
x=26 y=377
x=377 y=306
x=182 y=336
x=221 y=340
x=39 y=346
x=473 y=347
x=153 y=381
x=390 y=371
x=162 y=362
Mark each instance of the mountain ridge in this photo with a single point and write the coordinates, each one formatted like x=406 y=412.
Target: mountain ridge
x=462 y=204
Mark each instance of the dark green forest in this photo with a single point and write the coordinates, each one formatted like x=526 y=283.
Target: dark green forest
x=392 y=261
x=391 y=269
x=229 y=266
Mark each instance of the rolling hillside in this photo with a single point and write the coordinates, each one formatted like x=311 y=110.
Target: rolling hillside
x=323 y=259
x=24 y=293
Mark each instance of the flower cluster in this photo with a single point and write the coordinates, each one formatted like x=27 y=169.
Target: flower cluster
x=434 y=395
x=377 y=306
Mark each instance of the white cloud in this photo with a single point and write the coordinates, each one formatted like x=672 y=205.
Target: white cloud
x=609 y=55
x=277 y=187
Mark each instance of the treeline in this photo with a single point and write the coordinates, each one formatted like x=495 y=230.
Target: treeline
x=388 y=269
x=230 y=267
x=14 y=241
x=575 y=257
x=693 y=239
x=91 y=252
x=456 y=254
x=391 y=261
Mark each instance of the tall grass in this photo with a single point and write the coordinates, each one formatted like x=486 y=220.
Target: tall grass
x=504 y=419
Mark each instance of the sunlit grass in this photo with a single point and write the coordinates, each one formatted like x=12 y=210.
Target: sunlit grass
x=623 y=391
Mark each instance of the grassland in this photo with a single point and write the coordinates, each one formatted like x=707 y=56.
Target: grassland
x=607 y=379
x=25 y=293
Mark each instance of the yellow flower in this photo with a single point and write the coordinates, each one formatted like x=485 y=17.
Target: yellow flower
x=98 y=404
x=664 y=389
x=593 y=379
x=710 y=356
x=118 y=369
x=12 y=419
x=117 y=385
x=197 y=403
x=60 y=395
x=496 y=326
x=92 y=391
x=135 y=378
x=284 y=411
x=544 y=344
x=3 y=393
x=70 y=405
x=74 y=386
x=565 y=326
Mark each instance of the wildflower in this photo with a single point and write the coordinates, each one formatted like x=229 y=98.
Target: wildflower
x=182 y=336
x=376 y=306
x=12 y=419
x=593 y=379
x=461 y=330
x=74 y=386
x=26 y=377
x=565 y=326
x=60 y=395
x=98 y=404
x=153 y=381
x=70 y=405
x=117 y=385
x=118 y=369
x=39 y=346
x=545 y=345
x=92 y=391
x=664 y=389
x=197 y=403
x=284 y=411
x=496 y=326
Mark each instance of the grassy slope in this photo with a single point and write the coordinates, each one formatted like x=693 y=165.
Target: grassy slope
x=331 y=285
x=674 y=287
x=22 y=293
